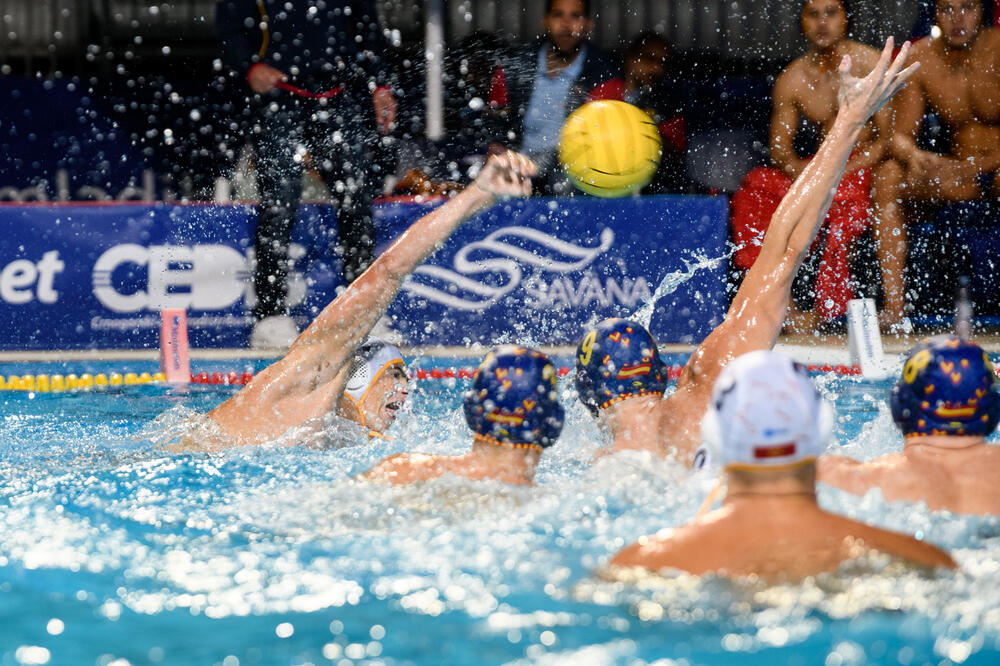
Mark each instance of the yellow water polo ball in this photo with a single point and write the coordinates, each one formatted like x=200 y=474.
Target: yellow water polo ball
x=609 y=148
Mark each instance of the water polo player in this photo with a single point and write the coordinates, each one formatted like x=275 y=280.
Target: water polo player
x=766 y=425
x=671 y=426
x=308 y=385
x=376 y=385
x=514 y=413
x=946 y=404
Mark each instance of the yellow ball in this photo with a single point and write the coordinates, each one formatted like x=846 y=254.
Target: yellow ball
x=609 y=148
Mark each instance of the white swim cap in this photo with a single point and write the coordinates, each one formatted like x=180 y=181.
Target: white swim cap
x=765 y=412
x=371 y=359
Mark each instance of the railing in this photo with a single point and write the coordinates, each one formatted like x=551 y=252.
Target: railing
x=48 y=35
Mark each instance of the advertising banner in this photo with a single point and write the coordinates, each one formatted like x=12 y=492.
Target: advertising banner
x=533 y=271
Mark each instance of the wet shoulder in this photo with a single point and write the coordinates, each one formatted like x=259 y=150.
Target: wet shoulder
x=991 y=41
x=894 y=543
x=397 y=468
x=793 y=80
x=924 y=53
x=672 y=548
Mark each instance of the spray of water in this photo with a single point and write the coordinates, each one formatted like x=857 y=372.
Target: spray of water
x=671 y=281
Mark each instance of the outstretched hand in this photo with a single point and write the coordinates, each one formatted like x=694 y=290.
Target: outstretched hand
x=863 y=97
x=506 y=175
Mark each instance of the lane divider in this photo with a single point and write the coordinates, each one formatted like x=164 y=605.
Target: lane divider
x=673 y=371
x=43 y=383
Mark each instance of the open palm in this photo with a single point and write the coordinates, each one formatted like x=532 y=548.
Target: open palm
x=864 y=96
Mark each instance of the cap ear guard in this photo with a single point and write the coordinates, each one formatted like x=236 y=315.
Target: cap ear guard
x=710 y=452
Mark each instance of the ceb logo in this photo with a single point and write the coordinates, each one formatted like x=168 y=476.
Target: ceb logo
x=196 y=277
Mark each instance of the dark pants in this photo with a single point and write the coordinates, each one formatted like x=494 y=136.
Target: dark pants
x=335 y=141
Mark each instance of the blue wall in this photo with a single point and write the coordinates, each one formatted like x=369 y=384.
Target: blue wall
x=535 y=271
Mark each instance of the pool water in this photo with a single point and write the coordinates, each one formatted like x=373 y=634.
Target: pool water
x=116 y=551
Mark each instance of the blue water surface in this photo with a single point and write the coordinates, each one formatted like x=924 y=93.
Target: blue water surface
x=115 y=550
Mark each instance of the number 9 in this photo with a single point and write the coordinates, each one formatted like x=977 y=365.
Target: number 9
x=586 y=347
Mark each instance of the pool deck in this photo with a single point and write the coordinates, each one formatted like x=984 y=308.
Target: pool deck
x=827 y=348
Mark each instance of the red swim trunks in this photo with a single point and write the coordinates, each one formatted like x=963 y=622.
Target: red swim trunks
x=755 y=202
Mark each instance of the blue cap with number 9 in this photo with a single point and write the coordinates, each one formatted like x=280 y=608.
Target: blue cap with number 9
x=616 y=360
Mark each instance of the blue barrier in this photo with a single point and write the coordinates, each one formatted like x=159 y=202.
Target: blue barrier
x=535 y=271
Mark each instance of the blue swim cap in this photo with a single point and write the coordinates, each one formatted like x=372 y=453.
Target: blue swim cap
x=947 y=388
x=617 y=359
x=514 y=400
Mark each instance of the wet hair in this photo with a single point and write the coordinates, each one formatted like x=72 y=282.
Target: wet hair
x=928 y=15
x=848 y=14
x=587 y=9
x=643 y=39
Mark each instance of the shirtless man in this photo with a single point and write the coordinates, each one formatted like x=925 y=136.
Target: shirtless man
x=307 y=386
x=959 y=80
x=514 y=412
x=807 y=91
x=768 y=426
x=622 y=385
x=946 y=404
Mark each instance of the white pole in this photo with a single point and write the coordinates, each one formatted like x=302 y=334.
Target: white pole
x=434 y=54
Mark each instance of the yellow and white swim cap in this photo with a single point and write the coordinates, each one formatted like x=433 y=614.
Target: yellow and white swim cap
x=373 y=357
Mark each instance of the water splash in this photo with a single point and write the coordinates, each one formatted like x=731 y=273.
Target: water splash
x=281 y=544
x=668 y=285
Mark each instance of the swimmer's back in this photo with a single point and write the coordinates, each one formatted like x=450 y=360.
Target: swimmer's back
x=960 y=481
x=777 y=544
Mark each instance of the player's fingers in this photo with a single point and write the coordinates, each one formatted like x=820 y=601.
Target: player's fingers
x=501 y=163
x=845 y=65
x=886 y=57
x=526 y=167
x=518 y=164
x=530 y=167
x=900 y=60
x=907 y=73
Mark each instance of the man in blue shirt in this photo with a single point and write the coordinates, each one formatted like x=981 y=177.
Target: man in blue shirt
x=548 y=80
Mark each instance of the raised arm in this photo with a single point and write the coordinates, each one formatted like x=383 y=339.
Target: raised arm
x=801 y=212
x=758 y=310
x=345 y=322
x=304 y=378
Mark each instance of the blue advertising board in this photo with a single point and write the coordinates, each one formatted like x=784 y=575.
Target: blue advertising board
x=535 y=271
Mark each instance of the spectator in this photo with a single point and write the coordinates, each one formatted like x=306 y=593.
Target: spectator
x=545 y=82
x=647 y=86
x=805 y=98
x=315 y=80
x=958 y=81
